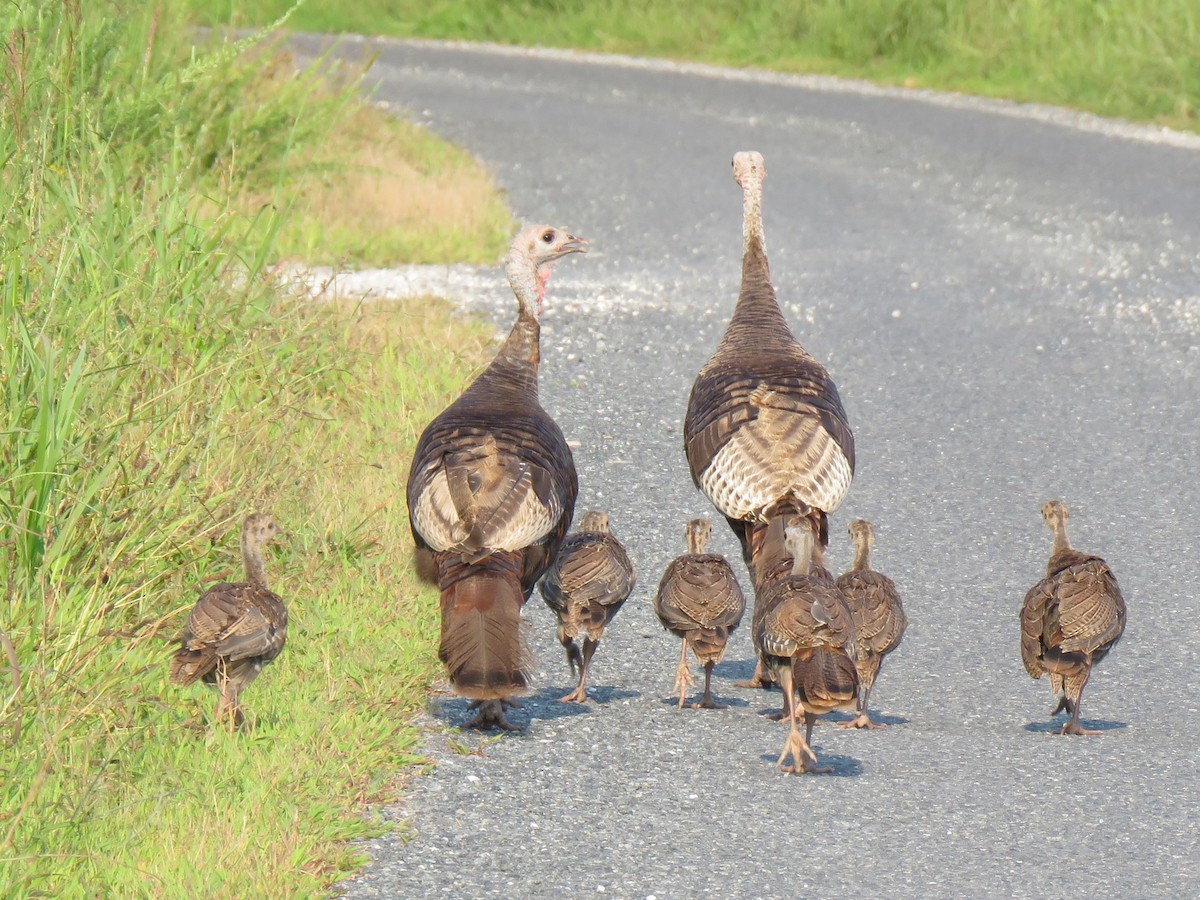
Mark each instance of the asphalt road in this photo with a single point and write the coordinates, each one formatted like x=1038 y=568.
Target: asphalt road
x=1009 y=301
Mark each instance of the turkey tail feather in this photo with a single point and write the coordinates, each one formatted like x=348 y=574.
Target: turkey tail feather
x=709 y=643
x=188 y=666
x=826 y=679
x=483 y=645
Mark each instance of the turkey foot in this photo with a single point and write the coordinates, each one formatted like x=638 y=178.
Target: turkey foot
x=707 y=701
x=491 y=715
x=1073 y=726
x=579 y=695
x=800 y=752
x=862 y=720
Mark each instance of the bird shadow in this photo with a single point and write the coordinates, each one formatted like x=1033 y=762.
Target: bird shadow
x=833 y=718
x=735 y=670
x=842 y=766
x=1055 y=725
x=722 y=699
x=547 y=698
x=455 y=712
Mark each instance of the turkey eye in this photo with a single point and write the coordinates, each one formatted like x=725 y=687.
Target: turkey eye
x=548 y=237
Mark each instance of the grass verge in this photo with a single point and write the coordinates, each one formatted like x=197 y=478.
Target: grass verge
x=156 y=386
x=1134 y=59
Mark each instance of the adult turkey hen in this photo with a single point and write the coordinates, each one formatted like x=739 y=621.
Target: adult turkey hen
x=1070 y=619
x=879 y=619
x=234 y=630
x=805 y=634
x=699 y=599
x=490 y=495
x=586 y=585
x=765 y=433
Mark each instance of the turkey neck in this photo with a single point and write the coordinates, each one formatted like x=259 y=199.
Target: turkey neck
x=516 y=362
x=862 y=558
x=697 y=541
x=757 y=318
x=1062 y=551
x=1061 y=544
x=806 y=554
x=256 y=573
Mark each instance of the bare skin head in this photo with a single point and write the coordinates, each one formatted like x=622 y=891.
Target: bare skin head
x=530 y=258
x=749 y=170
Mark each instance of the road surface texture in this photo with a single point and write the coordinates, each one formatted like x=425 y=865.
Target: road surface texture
x=1009 y=302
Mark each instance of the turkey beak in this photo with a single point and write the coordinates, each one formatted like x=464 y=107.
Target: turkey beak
x=573 y=245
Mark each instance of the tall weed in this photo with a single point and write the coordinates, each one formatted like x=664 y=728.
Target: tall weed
x=156 y=387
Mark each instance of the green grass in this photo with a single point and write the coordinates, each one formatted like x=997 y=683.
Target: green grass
x=383 y=191
x=1134 y=59
x=156 y=385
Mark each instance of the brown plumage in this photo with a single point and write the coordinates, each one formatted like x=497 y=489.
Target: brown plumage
x=805 y=635
x=765 y=433
x=491 y=493
x=234 y=629
x=879 y=619
x=699 y=599
x=588 y=582
x=1070 y=619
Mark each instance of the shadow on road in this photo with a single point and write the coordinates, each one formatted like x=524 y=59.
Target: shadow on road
x=598 y=695
x=735 y=669
x=693 y=696
x=843 y=766
x=1054 y=726
x=454 y=711
x=881 y=718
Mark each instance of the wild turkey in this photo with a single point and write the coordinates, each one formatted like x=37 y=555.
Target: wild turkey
x=1070 y=619
x=234 y=629
x=699 y=600
x=765 y=433
x=879 y=619
x=588 y=582
x=806 y=636
x=490 y=495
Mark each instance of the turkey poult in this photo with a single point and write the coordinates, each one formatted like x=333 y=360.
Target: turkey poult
x=234 y=629
x=491 y=493
x=1070 y=619
x=699 y=599
x=765 y=433
x=879 y=619
x=806 y=636
x=585 y=586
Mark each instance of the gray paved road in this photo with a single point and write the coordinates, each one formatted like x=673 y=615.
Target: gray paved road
x=1011 y=308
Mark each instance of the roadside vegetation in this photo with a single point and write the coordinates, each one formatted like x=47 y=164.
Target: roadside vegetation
x=156 y=385
x=1133 y=59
